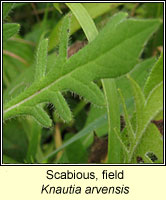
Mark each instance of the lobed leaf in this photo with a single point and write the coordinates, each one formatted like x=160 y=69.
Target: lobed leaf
x=88 y=65
x=94 y=9
x=89 y=90
x=26 y=78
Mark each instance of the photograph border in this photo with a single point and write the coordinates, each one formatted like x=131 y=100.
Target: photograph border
x=1 y=159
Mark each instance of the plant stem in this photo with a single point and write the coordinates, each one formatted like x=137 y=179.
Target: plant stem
x=58 y=139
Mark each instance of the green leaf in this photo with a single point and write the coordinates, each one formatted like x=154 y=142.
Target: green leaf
x=94 y=10
x=89 y=65
x=84 y=20
x=89 y=90
x=112 y=101
x=139 y=100
x=41 y=60
x=150 y=142
x=153 y=104
x=143 y=69
x=109 y=86
x=64 y=36
x=39 y=114
x=26 y=78
x=9 y=29
x=6 y=9
x=36 y=112
x=146 y=110
x=62 y=108
x=155 y=77
x=124 y=85
x=57 y=6
x=127 y=120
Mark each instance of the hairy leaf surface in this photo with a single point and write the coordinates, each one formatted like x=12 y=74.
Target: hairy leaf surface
x=120 y=47
x=94 y=9
x=151 y=142
x=146 y=110
x=156 y=76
